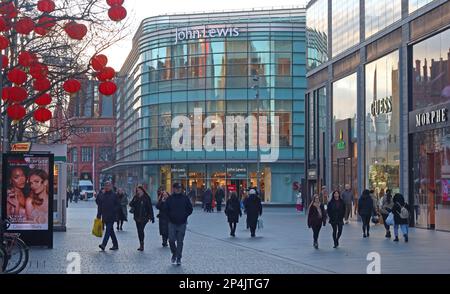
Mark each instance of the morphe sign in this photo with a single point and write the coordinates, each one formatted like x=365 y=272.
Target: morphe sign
x=204 y=32
x=429 y=118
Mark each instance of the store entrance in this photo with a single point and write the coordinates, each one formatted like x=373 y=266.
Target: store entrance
x=239 y=185
x=345 y=173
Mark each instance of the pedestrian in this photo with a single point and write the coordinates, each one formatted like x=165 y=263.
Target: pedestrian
x=253 y=207
x=163 y=217
x=366 y=210
x=387 y=204
x=179 y=208
x=347 y=196
x=220 y=195
x=233 y=212
x=401 y=216
x=192 y=195
x=108 y=207
x=336 y=214
x=324 y=195
x=207 y=199
x=76 y=195
x=375 y=200
x=317 y=217
x=123 y=211
x=142 y=208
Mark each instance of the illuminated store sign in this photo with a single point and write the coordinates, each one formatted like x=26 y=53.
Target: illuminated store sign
x=431 y=117
x=204 y=33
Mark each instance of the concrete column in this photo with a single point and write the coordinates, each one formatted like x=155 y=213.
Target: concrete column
x=361 y=113
x=404 y=113
x=328 y=133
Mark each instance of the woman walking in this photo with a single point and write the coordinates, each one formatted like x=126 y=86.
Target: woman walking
x=387 y=204
x=317 y=218
x=163 y=217
x=366 y=209
x=143 y=212
x=336 y=214
x=123 y=212
x=233 y=212
x=401 y=216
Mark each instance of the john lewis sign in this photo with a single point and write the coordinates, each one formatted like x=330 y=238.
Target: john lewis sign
x=186 y=34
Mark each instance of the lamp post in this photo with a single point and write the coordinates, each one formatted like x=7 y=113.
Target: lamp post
x=258 y=162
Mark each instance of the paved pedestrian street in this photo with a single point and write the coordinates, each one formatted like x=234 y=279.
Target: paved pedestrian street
x=283 y=246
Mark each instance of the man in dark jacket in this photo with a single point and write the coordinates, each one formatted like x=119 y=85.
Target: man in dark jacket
x=366 y=210
x=253 y=207
x=207 y=199
x=108 y=207
x=220 y=195
x=179 y=208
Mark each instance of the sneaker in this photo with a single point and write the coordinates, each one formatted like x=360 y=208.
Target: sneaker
x=114 y=248
x=316 y=245
x=101 y=247
x=347 y=222
x=174 y=259
x=368 y=235
x=178 y=261
x=364 y=236
x=388 y=235
x=253 y=236
x=396 y=239
x=406 y=239
x=164 y=245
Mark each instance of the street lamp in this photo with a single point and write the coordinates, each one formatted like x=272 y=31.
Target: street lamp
x=258 y=164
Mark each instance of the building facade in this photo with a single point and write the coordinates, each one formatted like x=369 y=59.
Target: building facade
x=205 y=69
x=378 y=99
x=91 y=136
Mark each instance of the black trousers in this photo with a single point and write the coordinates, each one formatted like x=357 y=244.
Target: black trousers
x=316 y=231
x=337 y=231
x=219 y=207
x=140 y=229
x=366 y=223
x=252 y=224
x=233 y=227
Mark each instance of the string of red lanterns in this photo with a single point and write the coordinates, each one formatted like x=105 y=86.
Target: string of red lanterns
x=117 y=12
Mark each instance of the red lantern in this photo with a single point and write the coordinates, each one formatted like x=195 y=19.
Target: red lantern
x=38 y=71
x=72 y=86
x=106 y=74
x=42 y=115
x=17 y=94
x=5 y=61
x=27 y=59
x=42 y=85
x=43 y=100
x=115 y=2
x=107 y=88
x=4 y=26
x=41 y=31
x=46 y=6
x=117 y=13
x=6 y=93
x=76 y=31
x=4 y=42
x=25 y=26
x=16 y=112
x=99 y=62
x=8 y=9
x=17 y=76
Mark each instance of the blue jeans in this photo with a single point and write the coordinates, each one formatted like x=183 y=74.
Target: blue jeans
x=109 y=232
x=176 y=238
x=403 y=227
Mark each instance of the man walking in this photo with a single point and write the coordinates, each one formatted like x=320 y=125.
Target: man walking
x=348 y=198
x=108 y=208
x=220 y=195
x=179 y=208
x=253 y=207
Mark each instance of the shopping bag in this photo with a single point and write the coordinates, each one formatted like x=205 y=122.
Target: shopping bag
x=97 y=230
x=260 y=224
x=390 y=219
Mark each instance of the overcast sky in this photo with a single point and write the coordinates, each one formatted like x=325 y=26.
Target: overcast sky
x=141 y=9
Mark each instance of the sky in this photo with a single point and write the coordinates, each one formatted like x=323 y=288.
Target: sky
x=141 y=9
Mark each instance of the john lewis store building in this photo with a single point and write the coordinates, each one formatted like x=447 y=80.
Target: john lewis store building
x=378 y=100
x=202 y=68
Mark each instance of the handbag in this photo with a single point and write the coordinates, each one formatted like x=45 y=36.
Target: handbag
x=390 y=219
x=375 y=219
x=260 y=224
x=97 y=229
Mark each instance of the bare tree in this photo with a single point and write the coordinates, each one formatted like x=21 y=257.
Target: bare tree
x=65 y=58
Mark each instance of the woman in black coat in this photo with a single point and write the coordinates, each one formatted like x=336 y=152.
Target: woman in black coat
x=336 y=214
x=317 y=217
x=233 y=212
x=143 y=212
x=366 y=209
x=253 y=207
x=400 y=219
x=163 y=217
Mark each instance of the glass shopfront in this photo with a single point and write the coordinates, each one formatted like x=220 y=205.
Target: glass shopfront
x=382 y=124
x=430 y=128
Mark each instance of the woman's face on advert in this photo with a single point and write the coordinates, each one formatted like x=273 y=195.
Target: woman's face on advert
x=37 y=184
x=18 y=178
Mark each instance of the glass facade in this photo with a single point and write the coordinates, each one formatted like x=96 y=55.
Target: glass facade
x=382 y=126
x=344 y=148
x=317 y=34
x=416 y=4
x=345 y=25
x=381 y=13
x=431 y=148
x=216 y=75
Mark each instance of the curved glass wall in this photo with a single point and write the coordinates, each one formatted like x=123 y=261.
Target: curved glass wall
x=317 y=30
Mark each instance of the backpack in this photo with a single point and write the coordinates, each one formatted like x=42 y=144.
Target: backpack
x=404 y=213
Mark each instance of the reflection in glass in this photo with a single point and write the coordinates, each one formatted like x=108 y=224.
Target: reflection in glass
x=345 y=26
x=317 y=32
x=380 y=14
